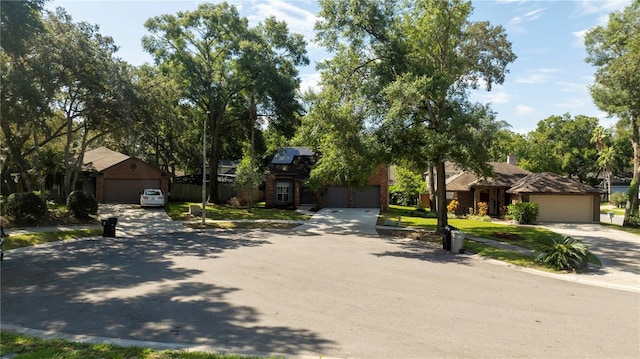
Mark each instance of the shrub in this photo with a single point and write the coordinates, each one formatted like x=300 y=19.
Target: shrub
x=483 y=208
x=619 y=199
x=565 y=254
x=452 y=206
x=633 y=219
x=25 y=207
x=235 y=202
x=524 y=212
x=82 y=204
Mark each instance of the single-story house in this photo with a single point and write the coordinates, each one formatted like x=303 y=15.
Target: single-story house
x=559 y=199
x=470 y=189
x=114 y=177
x=286 y=184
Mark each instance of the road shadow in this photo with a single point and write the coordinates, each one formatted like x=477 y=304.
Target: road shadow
x=421 y=250
x=133 y=288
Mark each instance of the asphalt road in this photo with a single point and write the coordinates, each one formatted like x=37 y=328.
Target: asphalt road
x=311 y=294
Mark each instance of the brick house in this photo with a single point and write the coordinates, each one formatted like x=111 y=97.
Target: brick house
x=114 y=177
x=470 y=189
x=289 y=171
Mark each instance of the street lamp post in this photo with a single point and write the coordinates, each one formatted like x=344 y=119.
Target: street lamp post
x=204 y=168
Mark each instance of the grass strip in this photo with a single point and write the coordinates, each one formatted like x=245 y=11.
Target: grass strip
x=180 y=211
x=241 y=225
x=28 y=347
x=32 y=239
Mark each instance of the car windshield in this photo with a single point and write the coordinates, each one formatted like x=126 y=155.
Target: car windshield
x=153 y=192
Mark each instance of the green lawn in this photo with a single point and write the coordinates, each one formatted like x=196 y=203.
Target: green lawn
x=32 y=239
x=530 y=237
x=180 y=211
x=28 y=347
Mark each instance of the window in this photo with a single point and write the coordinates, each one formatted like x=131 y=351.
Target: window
x=283 y=190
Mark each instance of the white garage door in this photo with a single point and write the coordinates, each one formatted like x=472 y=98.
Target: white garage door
x=564 y=208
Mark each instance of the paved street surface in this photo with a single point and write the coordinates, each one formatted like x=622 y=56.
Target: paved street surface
x=306 y=293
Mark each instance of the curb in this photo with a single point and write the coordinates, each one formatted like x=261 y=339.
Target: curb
x=182 y=347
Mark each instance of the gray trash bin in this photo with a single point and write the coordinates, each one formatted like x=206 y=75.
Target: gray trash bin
x=457 y=241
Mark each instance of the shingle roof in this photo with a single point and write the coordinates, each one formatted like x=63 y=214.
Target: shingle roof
x=101 y=158
x=505 y=175
x=285 y=155
x=550 y=183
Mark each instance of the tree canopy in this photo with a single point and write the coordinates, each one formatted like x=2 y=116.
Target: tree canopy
x=222 y=65
x=614 y=50
x=410 y=65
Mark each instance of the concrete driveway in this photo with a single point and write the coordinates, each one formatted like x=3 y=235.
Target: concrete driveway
x=343 y=221
x=134 y=220
x=618 y=251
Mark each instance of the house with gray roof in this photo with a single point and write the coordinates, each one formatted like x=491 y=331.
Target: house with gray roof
x=469 y=189
x=559 y=199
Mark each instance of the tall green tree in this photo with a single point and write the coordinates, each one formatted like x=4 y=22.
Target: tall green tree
x=562 y=145
x=88 y=86
x=220 y=63
x=336 y=128
x=23 y=77
x=412 y=63
x=614 y=50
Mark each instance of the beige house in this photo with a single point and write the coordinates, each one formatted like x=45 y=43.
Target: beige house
x=559 y=199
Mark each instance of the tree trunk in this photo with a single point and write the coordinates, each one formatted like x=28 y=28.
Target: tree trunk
x=68 y=158
x=432 y=188
x=213 y=160
x=40 y=178
x=441 y=196
x=632 y=203
x=253 y=117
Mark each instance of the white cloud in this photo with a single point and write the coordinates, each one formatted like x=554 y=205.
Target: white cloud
x=539 y=76
x=572 y=103
x=496 y=97
x=527 y=17
x=523 y=110
x=298 y=19
x=564 y=86
x=532 y=79
x=579 y=37
x=589 y=7
x=310 y=82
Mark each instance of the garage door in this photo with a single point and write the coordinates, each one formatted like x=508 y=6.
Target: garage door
x=126 y=191
x=567 y=209
x=336 y=197
x=368 y=197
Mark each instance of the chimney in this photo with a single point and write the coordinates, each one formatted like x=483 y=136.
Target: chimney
x=511 y=159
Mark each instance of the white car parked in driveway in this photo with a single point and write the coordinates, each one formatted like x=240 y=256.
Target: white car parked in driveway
x=151 y=197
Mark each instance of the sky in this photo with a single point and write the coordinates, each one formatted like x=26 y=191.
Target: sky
x=549 y=77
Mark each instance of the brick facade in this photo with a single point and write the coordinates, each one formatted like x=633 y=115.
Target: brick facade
x=131 y=175
x=379 y=178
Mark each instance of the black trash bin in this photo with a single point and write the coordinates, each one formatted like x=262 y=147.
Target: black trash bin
x=446 y=237
x=109 y=227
